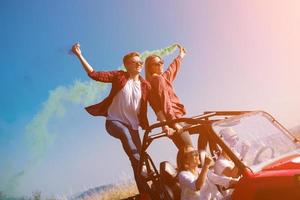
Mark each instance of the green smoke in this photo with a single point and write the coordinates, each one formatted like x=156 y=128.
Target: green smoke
x=38 y=137
x=83 y=93
x=160 y=52
x=13 y=182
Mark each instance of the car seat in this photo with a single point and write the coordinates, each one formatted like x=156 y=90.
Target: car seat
x=169 y=181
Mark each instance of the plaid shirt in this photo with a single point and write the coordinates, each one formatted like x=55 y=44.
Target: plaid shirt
x=119 y=80
x=162 y=96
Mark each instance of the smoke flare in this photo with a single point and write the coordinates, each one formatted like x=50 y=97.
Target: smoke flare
x=38 y=138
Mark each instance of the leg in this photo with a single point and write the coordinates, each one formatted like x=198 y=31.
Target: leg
x=136 y=139
x=205 y=140
x=123 y=133
x=182 y=139
x=131 y=144
x=202 y=141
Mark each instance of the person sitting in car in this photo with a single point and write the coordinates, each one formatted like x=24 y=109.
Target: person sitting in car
x=224 y=165
x=198 y=183
x=231 y=138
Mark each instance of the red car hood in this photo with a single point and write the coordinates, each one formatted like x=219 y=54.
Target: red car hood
x=288 y=163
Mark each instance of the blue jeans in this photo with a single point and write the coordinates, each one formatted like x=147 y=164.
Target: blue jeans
x=131 y=143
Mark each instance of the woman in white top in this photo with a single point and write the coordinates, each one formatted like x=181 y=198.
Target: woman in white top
x=198 y=183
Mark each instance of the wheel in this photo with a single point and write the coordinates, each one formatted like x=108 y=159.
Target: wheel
x=257 y=158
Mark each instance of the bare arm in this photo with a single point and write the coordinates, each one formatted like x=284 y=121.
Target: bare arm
x=231 y=172
x=162 y=118
x=172 y=71
x=76 y=50
x=203 y=175
x=202 y=178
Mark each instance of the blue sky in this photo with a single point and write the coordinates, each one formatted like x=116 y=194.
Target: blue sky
x=241 y=56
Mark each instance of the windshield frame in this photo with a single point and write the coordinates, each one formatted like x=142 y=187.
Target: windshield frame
x=232 y=121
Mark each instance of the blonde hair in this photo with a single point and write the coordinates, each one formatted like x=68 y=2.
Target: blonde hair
x=148 y=69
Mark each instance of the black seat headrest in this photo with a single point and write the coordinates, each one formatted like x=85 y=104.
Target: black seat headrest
x=169 y=181
x=168 y=172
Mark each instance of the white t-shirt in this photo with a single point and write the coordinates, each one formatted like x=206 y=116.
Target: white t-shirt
x=187 y=181
x=221 y=164
x=126 y=104
x=208 y=191
x=214 y=180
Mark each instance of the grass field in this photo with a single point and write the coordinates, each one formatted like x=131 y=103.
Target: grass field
x=119 y=191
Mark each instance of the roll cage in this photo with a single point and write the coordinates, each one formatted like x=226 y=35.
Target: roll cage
x=200 y=125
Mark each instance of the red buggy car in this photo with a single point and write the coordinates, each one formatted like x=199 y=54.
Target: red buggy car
x=269 y=170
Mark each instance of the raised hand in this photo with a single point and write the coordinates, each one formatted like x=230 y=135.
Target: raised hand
x=76 y=49
x=182 y=51
x=208 y=161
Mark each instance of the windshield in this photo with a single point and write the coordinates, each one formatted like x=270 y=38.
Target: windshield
x=256 y=138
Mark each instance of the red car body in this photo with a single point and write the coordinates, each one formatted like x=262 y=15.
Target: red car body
x=279 y=180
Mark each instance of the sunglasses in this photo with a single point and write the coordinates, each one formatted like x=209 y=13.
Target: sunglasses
x=137 y=63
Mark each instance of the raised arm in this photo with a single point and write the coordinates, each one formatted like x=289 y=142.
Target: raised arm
x=174 y=67
x=186 y=181
x=221 y=180
x=102 y=76
x=182 y=51
x=203 y=175
x=76 y=50
x=231 y=172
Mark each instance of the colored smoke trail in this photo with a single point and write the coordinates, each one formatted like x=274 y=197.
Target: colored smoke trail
x=38 y=137
x=160 y=52
x=82 y=93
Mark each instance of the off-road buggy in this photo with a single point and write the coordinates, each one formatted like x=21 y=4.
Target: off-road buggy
x=270 y=169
